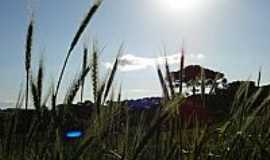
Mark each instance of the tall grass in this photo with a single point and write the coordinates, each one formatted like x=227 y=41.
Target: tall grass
x=121 y=134
x=75 y=40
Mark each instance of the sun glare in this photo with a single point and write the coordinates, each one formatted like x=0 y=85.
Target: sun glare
x=181 y=5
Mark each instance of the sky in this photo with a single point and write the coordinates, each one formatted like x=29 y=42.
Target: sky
x=230 y=36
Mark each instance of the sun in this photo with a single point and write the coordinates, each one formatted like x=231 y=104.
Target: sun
x=182 y=5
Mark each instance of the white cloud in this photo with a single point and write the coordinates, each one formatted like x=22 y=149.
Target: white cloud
x=131 y=62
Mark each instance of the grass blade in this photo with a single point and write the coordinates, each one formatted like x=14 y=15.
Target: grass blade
x=259 y=78
x=35 y=95
x=84 y=65
x=73 y=90
x=169 y=78
x=181 y=71
x=112 y=75
x=162 y=83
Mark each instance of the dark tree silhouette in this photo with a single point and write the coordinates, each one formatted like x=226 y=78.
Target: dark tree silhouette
x=192 y=75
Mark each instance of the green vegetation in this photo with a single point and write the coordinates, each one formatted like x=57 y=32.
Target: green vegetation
x=114 y=133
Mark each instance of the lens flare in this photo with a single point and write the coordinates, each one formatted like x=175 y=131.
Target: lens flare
x=73 y=134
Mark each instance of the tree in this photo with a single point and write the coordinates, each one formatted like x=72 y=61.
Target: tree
x=192 y=77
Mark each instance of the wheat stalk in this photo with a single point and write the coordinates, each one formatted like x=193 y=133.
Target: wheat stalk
x=110 y=80
x=75 y=40
x=181 y=71
x=37 y=86
x=28 y=53
x=112 y=74
x=35 y=96
x=94 y=74
x=259 y=77
x=76 y=84
x=162 y=83
x=169 y=78
x=40 y=80
x=84 y=65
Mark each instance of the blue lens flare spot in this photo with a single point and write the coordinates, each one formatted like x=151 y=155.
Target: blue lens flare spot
x=73 y=134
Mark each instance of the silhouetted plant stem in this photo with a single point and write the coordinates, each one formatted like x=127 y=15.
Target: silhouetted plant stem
x=259 y=77
x=77 y=83
x=112 y=74
x=94 y=74
x=163 y=84
x=27 y=90
x=28 y=52
x=169 y=78
x=181 y=71
x=84 y=64
x=75 y=40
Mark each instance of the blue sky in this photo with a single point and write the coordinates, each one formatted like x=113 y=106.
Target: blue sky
x=231 y=36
